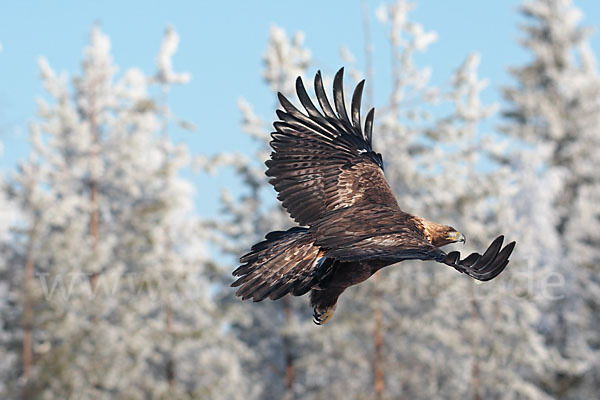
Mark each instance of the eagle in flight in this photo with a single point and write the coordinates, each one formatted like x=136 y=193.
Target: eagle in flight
x=331 y=182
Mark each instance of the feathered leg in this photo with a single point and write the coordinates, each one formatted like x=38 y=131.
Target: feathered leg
x=324 y=302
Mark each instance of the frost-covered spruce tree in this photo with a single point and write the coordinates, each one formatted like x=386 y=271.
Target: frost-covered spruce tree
x=479 y=326
x=271 y=329
x=441 y=167
x=123 y=302
x=9 y=337
x=421 y=323
x=302 y=360
x=555 y=99
x=406 y=292
x=14 y=352
x=555 y=105
x=387 y=369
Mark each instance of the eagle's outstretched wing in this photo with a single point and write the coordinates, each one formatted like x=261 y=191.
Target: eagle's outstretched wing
x=324 y=161
x=395 y=242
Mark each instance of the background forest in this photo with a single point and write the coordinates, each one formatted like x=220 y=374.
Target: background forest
x=113 y=284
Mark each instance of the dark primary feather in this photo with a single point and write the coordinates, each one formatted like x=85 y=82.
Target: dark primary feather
x=322 y=96
x=356 y=100
x=338 y=97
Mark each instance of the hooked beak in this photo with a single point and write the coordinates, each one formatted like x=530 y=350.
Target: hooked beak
x=457 y=237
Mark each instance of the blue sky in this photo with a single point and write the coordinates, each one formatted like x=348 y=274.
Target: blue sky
x=221 y=46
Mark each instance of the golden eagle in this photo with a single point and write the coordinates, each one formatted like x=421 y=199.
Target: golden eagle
x=331 y=182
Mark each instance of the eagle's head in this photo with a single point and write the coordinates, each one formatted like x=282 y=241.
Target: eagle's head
x=441 y=235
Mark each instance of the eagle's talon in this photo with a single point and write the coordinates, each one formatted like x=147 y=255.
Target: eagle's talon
x=321 y=317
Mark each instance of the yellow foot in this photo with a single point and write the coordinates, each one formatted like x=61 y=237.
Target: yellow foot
x=320 y=317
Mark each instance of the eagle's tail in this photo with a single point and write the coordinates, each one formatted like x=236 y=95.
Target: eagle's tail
x=285 y=262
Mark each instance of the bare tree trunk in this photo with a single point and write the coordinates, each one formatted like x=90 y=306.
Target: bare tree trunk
x=368 y=53
x=475 y=377
x=93 y=184
x=378 y=359
x=94 y=218
x=94 y=222
x=396 y=79
x=170 y=368
x=27 y=354
x=290 y=369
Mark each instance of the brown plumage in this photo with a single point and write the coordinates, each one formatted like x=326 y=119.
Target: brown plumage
x=331 y=182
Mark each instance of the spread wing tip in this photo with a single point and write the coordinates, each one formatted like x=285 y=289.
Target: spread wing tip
x=483 y=267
